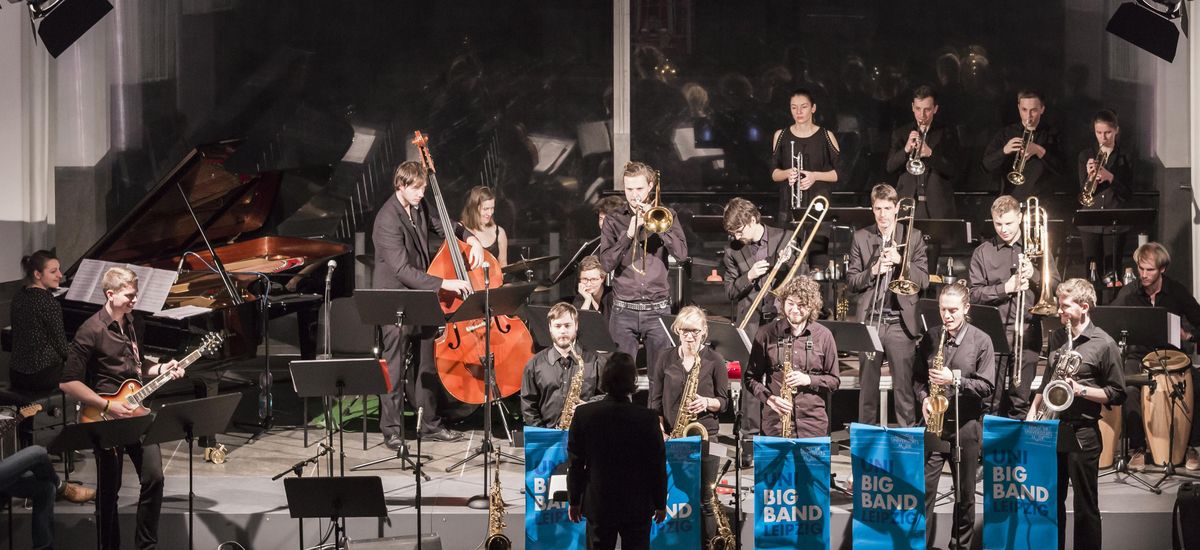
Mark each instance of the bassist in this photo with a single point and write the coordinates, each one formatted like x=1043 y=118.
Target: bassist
x=104 y=354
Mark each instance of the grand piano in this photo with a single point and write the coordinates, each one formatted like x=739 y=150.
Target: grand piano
x=237 y=212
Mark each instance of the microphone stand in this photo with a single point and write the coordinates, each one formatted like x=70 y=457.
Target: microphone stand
x=417 y=473
x=737 y=472
x=956 y=456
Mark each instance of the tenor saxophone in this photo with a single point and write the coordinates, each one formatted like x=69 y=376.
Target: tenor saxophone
x=496 y=539
x=574 y=392
x=685 y=420
x=938 y=403
x=723 y=540
x=785 y=391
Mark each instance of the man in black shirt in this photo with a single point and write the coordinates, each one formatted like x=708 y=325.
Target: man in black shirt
x=939 y=153
x=641 y=292
x=1098 y=382
x=967 y=356
x=593 y=293
x=549 y=373
x=103 y=355
x=1044 y=159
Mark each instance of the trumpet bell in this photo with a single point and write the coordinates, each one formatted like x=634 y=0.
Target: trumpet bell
x=903 y=287
x=915 y=167
x=1087 y=201
x=1016 y=178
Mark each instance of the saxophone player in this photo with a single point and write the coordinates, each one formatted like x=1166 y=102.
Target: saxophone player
x=549 y=374
x=812 y=354
x=691 y=386
x=1038 y=160
x=1098 y=382
x=954 y=346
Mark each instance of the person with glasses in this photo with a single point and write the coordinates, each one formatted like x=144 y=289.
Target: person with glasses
x=593 y=292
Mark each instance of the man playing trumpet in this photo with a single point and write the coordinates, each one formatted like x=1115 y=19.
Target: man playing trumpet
x=1037 y=160
x=955 y=351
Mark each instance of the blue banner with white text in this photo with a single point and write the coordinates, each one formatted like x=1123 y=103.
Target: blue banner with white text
x=546 y=522
x=889 y=482
x=791 y=492
x=683 y=526
x=1020 y=487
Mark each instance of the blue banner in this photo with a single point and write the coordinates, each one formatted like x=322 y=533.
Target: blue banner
x=889 y=481
x=791 y=492
x=683 y=526
x=546 y=521
x=1020 y=487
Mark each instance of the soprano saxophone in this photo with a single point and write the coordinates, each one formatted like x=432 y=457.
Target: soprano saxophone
x=574 y=392
x=685 y=421
x=786 y=392
x=938 y=403
x=496 y=539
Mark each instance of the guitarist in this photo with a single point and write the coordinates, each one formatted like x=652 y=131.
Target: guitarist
x=104 y=354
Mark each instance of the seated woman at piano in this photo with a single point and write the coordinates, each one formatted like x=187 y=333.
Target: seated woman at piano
x=39 y=343
x=478 y=216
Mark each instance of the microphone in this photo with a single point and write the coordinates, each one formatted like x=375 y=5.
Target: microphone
x=420 y=413
x=179 y=268
x=329 y=274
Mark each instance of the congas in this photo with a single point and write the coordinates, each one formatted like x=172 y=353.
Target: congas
x=1171 y=372
x=1110 y=435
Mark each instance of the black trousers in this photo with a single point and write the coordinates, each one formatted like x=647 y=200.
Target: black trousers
x=963 y=529
x=1014 y=401
x=147 y=460
x=1081 y=467
x=602 y=535
x=900 y=351
x=396 y=343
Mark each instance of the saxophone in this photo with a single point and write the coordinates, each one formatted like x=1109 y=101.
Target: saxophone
x=685 y=421
x=1057 y=395
x=496 y=539
x=785 y=391
x=937 y=394
x=573 y=394
x=723 y=540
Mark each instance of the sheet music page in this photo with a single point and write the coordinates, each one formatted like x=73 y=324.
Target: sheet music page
x=153 y=287
x=183 y=312
x=85 y=287
x=1173 y=329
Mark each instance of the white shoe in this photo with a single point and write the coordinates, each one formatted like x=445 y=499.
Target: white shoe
x=1193 y=459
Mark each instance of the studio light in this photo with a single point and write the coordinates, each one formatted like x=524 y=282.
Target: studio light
x=61 y=22
x=1147 y=27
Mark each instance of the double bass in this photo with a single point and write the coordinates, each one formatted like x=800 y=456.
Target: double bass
x=459 y=351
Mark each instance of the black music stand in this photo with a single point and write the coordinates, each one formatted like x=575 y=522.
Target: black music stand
x=589 y=248
x=1114 y=221
x=104 y=435
x=723 y=337
x=400 y=308
x=593 y=329
x=947 y=233
x=854 y=217
x=337 y=378
x=985 y=318
x=1146 y=327
x=336 y=498
x=188 y=420
x=506 y=300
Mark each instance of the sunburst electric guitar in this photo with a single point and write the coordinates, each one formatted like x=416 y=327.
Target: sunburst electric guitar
x=133 y=393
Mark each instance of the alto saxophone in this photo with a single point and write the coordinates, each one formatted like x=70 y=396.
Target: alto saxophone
x=723 y=540
x=785 y=391
x=574 y=393
x=685 y=421
x=496 y=539
x=938 y=403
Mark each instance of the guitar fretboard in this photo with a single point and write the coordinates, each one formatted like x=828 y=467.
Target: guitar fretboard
x=160 y=380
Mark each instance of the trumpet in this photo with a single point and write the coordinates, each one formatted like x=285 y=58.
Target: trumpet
x=820 y=205
x=1057 y=395
x=656 y=218
x=915 y=165
x=1087 y=197
x=797 y=165
x=1017 y=175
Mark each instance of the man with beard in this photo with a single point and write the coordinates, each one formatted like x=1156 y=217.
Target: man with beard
x=550 y=373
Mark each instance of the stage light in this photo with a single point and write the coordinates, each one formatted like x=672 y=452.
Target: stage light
x=1149 y=28
x=61 y=22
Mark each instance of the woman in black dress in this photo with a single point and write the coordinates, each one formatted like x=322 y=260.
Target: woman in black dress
x=39 y=342
x=479 y=217
x=804 y=155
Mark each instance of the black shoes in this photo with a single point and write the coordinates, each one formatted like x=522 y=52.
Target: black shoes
x=443 y=434
x=394 y=442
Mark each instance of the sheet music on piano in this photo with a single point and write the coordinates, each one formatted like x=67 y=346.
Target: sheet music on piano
x=153 y=284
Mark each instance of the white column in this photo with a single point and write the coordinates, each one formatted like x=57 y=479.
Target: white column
x=621 y=40
x=1193 y=60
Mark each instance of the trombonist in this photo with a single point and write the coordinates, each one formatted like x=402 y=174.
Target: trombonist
x=924 y=158
x=875 y=261
x=998 y=271
x=637 y=260
x=1034 y=162
x=956 y=351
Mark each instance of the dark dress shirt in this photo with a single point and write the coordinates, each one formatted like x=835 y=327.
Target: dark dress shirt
x=547 y=379
x=102 y=356
x=992 y=263
x=864 y=252
x=970 y=353
x=1108 y=194
x=618 y=463
x=1041 y=174
x=1101 y=368
x=1173 y=296
x=738 y=259
x=764 y=377
x=934 y=187
x=617 y=256
x=39 y=343
x=666 y=388
x=606 y=299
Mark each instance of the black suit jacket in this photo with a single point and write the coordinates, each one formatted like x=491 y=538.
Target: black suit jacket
x=865 y=251
x=402 y=250
x=940 y=168
x=1041 y=174
x=618 y=468
x=737 y=261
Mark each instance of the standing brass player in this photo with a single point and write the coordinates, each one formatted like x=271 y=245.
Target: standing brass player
x=560 y=377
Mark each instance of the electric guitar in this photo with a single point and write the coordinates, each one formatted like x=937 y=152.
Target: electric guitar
x=7 y=424
x=133 y=393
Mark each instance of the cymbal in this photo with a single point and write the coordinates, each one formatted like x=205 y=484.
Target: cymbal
x=1169 y=359
x=522 y=266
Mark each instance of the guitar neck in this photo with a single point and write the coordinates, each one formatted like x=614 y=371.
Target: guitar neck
x=161 y=380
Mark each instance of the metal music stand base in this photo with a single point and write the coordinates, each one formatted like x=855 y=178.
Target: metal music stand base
x=1120 y=471
x=1169 y=470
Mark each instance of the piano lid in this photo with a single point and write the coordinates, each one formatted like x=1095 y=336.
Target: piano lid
x=159 y=227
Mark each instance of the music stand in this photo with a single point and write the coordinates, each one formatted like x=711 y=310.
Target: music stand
x=338 y=378
x=855 y=217
x=1145 y=327
x=188 y=420
x=593 y=329
x=1114 y=221
x=589 y=248
x=399 y=308
x=336 y=498
x=105 y=435
x=985 y=318
x=947 y=233
x=505 y=300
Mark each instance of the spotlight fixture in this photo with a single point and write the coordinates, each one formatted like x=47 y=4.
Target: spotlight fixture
x=1148 y=27
x=61 y=22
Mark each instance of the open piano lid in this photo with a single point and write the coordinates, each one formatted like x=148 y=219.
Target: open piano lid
x=159 y=228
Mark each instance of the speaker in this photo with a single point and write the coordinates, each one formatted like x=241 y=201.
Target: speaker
x=403 y=542
x=1185 y=519
x=68 y=21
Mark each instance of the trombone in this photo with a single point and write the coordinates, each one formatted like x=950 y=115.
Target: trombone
x=1017 y=175
x=656 y=219
x=905 y=208
x=1036 y=234
x=820 y=205
x=915 y=165
x=797 y=166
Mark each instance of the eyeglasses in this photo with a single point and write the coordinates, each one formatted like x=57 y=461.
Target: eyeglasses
x=690 y=331
x=591 y=279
